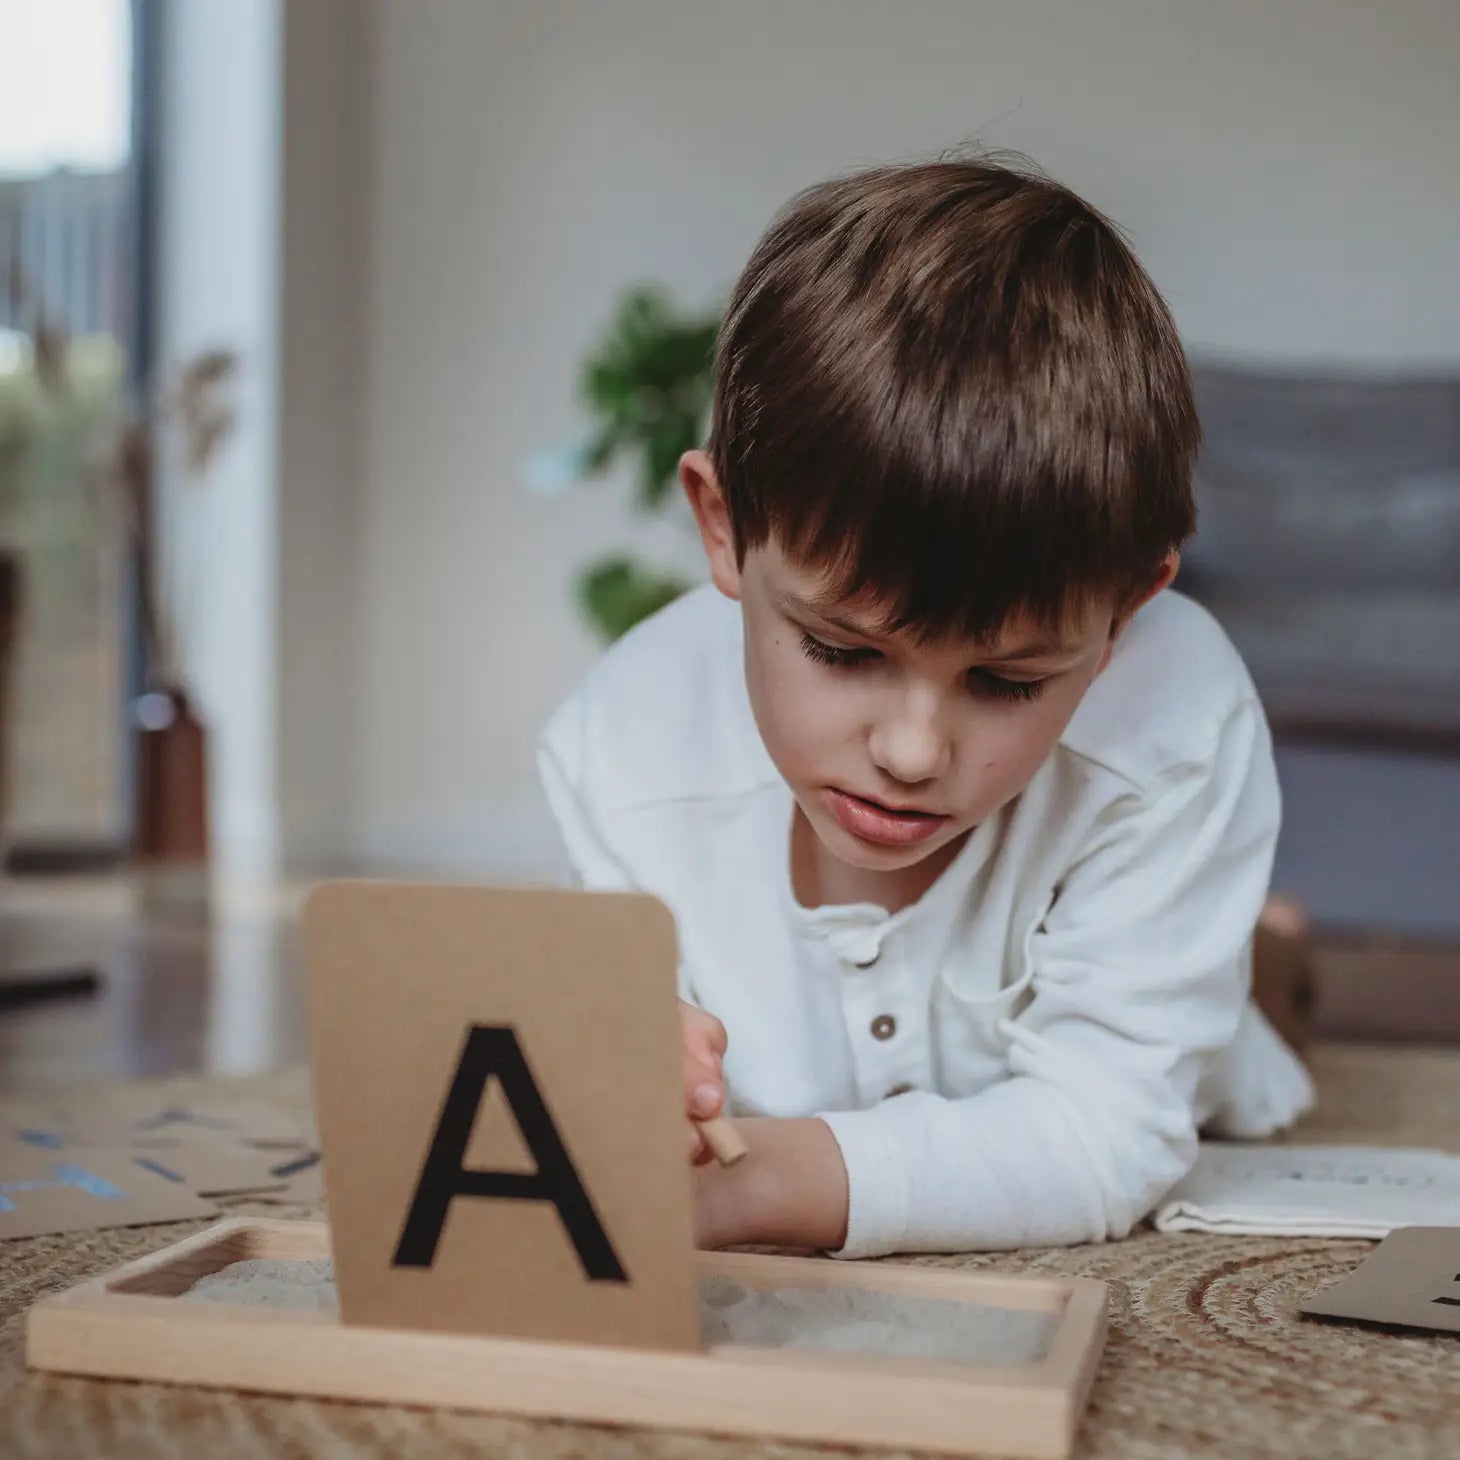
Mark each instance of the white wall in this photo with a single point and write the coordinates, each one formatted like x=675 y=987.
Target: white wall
x=218 y=286
x=262 y=184
x=324 y=186
x=1287 y=171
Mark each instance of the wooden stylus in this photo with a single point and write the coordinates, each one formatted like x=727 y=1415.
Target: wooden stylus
x=726 y=1143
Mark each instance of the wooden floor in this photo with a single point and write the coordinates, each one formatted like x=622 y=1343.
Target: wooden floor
x=183 y=990
x=186 y=990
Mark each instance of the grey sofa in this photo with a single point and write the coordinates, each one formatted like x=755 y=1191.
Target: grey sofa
x=1329 y=547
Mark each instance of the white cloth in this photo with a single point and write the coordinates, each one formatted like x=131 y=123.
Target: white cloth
x=1064 y=1008
x=1313 y=1191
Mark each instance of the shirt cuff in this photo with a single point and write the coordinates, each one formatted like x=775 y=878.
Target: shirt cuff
x=876 y=1183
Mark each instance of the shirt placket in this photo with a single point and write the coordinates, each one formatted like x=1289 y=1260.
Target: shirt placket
x=887 y=1031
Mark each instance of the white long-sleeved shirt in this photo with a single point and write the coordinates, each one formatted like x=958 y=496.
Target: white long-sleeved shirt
x=1025 y=1055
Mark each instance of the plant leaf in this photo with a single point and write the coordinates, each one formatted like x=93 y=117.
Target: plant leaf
x=617 y=592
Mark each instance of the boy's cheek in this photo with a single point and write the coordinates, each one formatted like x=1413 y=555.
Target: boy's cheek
x=1004 y=765
x=799 y=721
x=810 y=753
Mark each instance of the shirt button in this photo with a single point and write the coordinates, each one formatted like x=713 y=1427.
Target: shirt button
x=884 y=1026
x=860 y=952
x=897 y=1090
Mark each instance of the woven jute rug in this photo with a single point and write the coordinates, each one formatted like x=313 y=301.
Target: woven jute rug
x=1207 y=1354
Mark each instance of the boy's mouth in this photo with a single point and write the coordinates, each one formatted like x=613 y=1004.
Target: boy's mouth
x=883 y=826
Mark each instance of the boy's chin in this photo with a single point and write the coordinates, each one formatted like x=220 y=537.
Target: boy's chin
x=854 y=851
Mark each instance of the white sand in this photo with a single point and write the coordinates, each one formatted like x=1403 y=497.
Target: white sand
x=829 y=1319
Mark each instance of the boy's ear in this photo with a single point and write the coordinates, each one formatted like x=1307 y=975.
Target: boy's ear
x=712 y=514
x=1164 y=578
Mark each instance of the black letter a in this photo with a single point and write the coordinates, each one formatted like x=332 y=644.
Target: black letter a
x=492 y=1050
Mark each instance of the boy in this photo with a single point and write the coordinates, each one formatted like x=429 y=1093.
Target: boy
x=965 y=821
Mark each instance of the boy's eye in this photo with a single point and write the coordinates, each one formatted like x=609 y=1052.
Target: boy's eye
x=981 y=681
x=821 y=653
x=984 y=681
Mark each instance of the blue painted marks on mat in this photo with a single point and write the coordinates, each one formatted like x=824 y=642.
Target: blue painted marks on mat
x=64 y=1174
x=47 y=1140
x=149 y=1165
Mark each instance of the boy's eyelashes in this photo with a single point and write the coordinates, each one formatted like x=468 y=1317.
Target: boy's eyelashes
x=1000 y=688
x=981 y=681
x=822 y=653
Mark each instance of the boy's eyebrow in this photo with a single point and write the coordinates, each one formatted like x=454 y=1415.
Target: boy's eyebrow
x=826 y=615
x=1035 y=649
x=1030 y=649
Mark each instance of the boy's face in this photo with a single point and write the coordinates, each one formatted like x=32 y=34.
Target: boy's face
x=893 y=749
x=896 y=750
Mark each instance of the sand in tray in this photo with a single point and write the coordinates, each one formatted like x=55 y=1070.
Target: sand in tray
x=836 y=1320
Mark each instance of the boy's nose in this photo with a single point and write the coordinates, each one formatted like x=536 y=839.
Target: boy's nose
x=911 y=745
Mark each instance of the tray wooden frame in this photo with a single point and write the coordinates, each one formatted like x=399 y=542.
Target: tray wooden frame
x=127 y=1325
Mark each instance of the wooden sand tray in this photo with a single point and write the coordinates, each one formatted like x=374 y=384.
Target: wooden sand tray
x=130 y=1324
x=498 y=1077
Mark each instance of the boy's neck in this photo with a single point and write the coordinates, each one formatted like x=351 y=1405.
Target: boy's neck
x=819 y=879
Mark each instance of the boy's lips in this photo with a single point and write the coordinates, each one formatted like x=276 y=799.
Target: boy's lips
x=871 y=821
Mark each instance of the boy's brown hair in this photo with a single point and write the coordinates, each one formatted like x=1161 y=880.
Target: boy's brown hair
x=951 y=387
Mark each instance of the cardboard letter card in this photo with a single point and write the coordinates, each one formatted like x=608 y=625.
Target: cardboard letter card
x=1410 y=1280
x=501 y=1109
x=79 y=1190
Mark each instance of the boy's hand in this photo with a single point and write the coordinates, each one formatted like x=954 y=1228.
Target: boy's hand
x=704 y=1077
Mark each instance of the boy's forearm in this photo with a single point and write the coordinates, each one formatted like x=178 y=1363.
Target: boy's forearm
x=791 y=1191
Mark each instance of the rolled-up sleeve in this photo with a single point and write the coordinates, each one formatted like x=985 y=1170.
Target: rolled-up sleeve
x=1140 y=973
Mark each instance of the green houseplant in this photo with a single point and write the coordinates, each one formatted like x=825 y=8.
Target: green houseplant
x=647 y=385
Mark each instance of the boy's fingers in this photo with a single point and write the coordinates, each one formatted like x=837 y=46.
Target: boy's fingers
x=704 y=1086
x=701 y=1062
x=703 y=1029
x=699 y=1152
x=704 y=1078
